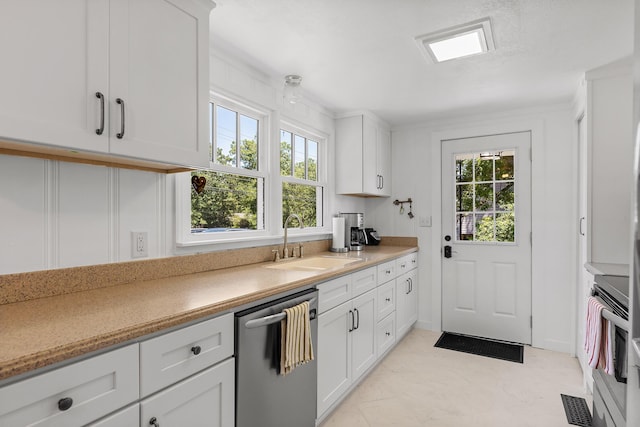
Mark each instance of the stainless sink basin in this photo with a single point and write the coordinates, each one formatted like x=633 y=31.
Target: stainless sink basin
x=313 y=263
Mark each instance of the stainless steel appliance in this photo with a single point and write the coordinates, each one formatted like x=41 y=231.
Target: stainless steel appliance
x=264 y=397
x=610 y=391
x=354 y=238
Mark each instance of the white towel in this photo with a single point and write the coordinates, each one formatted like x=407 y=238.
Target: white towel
x=599 y=336
x=295 y=346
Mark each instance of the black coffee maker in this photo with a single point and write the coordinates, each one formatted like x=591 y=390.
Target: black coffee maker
x=371 y=237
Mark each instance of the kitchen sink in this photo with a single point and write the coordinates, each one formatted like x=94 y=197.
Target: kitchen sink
x=313 y=263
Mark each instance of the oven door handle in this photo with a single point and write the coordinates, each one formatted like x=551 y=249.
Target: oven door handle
x=611 y=316
x=275 y=318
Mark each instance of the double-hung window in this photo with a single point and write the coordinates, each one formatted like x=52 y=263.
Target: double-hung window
x=228 y=199
x=303 y=181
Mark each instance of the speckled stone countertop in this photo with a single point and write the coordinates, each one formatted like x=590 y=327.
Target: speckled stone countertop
x=41 y=332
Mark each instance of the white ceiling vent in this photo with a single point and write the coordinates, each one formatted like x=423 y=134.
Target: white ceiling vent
x=468 y=39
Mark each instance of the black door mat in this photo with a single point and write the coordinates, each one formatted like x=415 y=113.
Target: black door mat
x=482 y=347
x=577 y=410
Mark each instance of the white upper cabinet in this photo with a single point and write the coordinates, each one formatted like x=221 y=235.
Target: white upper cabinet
x=127 y=78
x=363 y=156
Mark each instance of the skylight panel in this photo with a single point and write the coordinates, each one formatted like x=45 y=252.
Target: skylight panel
x=464 y=40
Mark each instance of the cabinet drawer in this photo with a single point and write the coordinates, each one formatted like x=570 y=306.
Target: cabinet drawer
x=334 y=292
x=386 y=299
x=93 y=387
x=363 y=281
x=406 y=263
x=386 y=333
x=169 y=358
x=386 y=272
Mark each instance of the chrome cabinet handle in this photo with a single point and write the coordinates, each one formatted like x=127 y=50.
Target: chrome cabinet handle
x=408 y=287
x=581 y=222
x=381 y=182
x=120 y=102
x=154 y=422
x=100 y=96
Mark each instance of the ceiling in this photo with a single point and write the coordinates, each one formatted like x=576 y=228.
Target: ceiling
x=362 y=54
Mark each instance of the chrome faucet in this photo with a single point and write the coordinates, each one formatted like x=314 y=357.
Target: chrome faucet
x=286 y=225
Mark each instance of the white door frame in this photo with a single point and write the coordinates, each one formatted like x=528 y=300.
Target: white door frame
x=536 y=127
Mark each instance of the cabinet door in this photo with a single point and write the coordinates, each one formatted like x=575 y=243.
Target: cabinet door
x=334 y=355
x=363 y=336
x=205 y=399
x=159 y=67
x=407 y=301
x=383 y=157
x=54 y=57
x=371 y=179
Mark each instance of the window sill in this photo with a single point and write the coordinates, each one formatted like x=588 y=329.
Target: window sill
x=248 y=242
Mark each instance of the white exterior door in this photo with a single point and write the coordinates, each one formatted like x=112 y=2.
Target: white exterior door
x=486 y=227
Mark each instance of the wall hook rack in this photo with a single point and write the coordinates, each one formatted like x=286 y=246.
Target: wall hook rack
x=401 y=203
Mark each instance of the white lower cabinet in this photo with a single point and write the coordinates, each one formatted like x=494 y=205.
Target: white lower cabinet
x=346 y=346
x=355 y=331
x=363 y=334
x=73 y=395
x=407 y=301
x=205 y=399
x=334 y=355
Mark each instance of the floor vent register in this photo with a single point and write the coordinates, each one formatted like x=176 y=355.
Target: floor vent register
x=577 y=411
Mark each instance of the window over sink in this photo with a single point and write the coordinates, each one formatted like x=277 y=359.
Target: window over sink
x=255 y=179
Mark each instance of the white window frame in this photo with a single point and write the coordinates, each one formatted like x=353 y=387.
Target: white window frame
x=184 y=237
x=321 y=181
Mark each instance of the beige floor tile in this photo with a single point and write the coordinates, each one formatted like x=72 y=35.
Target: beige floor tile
x=420 y=385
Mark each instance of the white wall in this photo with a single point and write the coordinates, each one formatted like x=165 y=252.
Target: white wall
x=56 y=214
x=416 y=174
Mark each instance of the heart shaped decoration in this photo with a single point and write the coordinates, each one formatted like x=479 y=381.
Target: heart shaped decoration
x=198 y=183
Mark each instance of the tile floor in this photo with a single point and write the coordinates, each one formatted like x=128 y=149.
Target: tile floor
x=420 y=385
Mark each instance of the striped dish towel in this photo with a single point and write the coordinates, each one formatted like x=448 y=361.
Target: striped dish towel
x=295 y=342
x=599 y=336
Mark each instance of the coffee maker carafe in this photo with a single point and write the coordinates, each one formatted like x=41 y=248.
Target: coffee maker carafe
x=354 y=238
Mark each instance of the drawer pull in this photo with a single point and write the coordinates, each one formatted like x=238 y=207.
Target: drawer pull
x=196 y=350
x=65 y=403
x=387 y=299
x=154 y=422
x=388 y=334
x=387 y=272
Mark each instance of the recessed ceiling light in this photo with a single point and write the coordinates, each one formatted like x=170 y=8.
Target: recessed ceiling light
x=463 y=40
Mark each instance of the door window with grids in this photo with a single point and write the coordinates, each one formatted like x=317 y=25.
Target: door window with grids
x=485 y=196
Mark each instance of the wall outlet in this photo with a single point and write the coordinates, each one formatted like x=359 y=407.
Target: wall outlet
x=424 y=221
x=139 y=244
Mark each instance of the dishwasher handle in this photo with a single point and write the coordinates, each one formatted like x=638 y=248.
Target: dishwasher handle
x=275 y=318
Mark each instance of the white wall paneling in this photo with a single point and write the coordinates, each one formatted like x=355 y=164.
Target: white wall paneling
x=23 y=201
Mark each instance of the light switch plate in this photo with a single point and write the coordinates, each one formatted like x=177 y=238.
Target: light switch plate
x=424 y=221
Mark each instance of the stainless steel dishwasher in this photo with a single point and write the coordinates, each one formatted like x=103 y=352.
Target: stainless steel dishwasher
x=264 y=397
